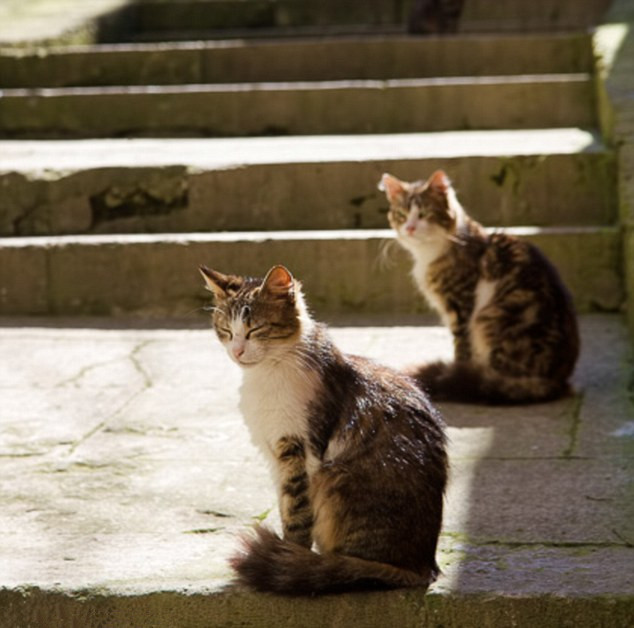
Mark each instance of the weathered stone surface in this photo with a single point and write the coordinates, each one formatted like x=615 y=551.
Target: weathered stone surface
x=237 y=609
x=187 y=15
x=478 y=15
x=319 y=59
x=597 y=286
x=535 y=569
x=544 y=15
x=536 y=177
x=155 y=275
x=628 y=255
x=24 y=280
x=545 y=434
x=580 y=502
x=41 y=22
x=127 y=474
x=392 y=106
x=614 y=48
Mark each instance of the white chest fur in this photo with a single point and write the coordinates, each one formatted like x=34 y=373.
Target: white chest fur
x=424 y=255
x=274 y=402
x=480 y=345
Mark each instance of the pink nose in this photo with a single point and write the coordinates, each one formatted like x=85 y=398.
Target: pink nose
x=238 y=352
x=410 y=229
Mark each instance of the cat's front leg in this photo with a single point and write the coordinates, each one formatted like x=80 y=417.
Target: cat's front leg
x=295 y=507
x=461 y=343
x=458 y=322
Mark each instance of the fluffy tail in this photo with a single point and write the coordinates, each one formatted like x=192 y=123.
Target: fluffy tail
x=269 y=563
x=468 y=383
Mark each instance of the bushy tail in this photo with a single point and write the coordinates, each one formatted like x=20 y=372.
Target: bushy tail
x=468 y=383
x=269 y=563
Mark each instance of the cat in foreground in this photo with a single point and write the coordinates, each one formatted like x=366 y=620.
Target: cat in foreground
x=513 y=323
x=357 y=451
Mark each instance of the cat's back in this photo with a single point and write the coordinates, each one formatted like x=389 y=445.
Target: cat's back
x=525 y=266
x=530 y=295
x=390 y=401
x=387 y=453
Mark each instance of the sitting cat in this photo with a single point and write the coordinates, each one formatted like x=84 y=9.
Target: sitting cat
x=513 y=323
x=356 y=449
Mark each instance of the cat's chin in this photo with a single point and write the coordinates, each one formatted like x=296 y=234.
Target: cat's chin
x=246 y=365
x=417 y=240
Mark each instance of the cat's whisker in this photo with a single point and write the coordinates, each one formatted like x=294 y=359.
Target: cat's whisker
x=385 y=260
x=203 y=308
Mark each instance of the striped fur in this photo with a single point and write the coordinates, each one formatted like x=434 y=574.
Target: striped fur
x=512 y=319
x=269 y=563
x=356 y=450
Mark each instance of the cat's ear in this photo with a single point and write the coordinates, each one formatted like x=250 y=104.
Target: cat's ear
x=214 y=281
x=439 y=182
x=394 y=188
x=278 y=282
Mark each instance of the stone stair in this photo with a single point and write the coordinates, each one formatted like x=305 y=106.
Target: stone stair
x=246 y=152
x=157 y=20
x=126 y=472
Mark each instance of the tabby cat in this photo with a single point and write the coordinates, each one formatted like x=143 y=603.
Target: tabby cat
x=356 y=449
x=514 y=327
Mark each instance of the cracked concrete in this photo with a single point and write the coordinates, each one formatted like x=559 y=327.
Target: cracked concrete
x=127 y=474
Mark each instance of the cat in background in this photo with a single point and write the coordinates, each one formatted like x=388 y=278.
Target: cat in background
x=513 y=323
x=356 y=449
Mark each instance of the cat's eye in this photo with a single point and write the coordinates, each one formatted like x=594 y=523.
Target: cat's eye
x=399 y=214
x=225 y=332
x=421 y=210
x=255 y=330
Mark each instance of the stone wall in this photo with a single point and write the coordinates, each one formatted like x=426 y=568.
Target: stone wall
x=614 y=46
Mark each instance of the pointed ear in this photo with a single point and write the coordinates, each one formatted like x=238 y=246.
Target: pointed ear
x=394 y=188
x=278 y=282
x=214 y=281
x=439 y=182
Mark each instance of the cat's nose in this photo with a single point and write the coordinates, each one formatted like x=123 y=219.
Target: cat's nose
x=238 y=352
x=410 y=229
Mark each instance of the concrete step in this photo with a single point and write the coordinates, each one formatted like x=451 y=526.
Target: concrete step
x=127 y=474
x=156 y=275
x=537 y=15
x=320 y=59
x=536 y=177
x=60 y=22
x=49 y=22
x=163 y=17
x=164 y=20
x=335 y=31
x=392 y=106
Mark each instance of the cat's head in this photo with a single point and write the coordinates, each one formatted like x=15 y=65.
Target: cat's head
x=421 y=211
x=256 y=319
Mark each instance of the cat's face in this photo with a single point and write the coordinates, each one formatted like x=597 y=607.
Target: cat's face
x=422 y=210
x=255 y=319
